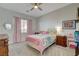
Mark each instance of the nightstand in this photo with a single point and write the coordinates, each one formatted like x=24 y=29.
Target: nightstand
x=61 y=40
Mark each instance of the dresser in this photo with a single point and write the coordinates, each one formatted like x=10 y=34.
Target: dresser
x=3 y=45
x=61 y=40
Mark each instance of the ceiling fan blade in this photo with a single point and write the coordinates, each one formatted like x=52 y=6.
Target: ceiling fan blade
x=39 y=3
x=36 y=4
x=39 y=8
x=32 y=8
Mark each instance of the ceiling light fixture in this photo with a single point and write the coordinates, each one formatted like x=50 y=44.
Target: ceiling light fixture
x=35 y=7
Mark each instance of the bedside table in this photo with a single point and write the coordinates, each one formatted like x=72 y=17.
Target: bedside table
x=61 y=40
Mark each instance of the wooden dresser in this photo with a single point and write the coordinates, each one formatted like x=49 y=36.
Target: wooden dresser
x=3 y=45
x=61 y=40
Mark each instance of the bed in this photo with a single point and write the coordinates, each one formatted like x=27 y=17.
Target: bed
x=40 y=41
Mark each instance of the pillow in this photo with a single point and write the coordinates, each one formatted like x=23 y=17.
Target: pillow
x=37 y=33
x=44 y=32
x=52 y=31
x=53 y=34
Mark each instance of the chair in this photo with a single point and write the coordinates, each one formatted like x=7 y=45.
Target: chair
x=76 y=33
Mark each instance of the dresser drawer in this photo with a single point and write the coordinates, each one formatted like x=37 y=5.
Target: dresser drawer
x=2 y=43
x=61 y=40
x=3 y=51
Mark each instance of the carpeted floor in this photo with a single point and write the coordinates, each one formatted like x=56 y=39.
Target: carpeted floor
x=22 y=49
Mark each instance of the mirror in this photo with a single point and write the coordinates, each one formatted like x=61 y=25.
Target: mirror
x=8 y=26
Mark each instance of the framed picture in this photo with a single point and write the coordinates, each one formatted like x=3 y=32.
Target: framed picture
x=69 y=24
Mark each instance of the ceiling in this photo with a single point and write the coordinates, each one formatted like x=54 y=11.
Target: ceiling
x=23 y=7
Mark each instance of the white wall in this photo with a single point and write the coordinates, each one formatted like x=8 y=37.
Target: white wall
x=55 y=18
x=7 y=16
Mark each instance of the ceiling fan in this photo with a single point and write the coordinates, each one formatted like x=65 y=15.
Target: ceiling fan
x=35 y=6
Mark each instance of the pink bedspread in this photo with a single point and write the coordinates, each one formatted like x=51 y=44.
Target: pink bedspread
x=40 y=42
x=37 y=42
x=34 y=40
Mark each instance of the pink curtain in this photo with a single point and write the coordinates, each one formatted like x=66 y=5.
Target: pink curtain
x=17 y=30
x=29 y=26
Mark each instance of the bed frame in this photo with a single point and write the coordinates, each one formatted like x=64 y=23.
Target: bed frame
x=34 y=46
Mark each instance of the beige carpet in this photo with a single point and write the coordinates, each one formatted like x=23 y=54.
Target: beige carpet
x=22 y=49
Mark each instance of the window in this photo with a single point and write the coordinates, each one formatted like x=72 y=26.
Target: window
x=23 y=26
